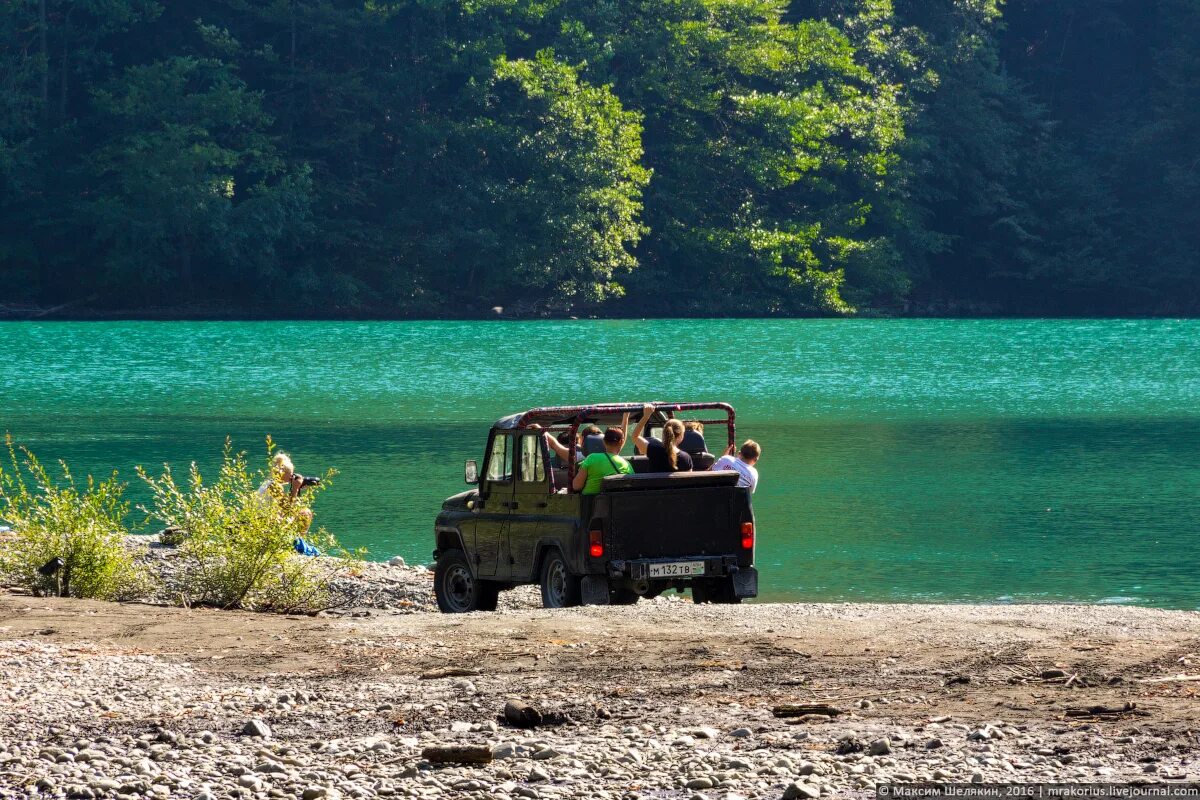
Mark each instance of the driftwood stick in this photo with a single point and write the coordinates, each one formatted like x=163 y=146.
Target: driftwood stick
x=1103 y=711
x=861 y=696
x=803 y=710
x=449 y=672
x=457 y=754
x=1171 y=679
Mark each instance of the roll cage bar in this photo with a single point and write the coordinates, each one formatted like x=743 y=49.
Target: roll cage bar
x=571 y=417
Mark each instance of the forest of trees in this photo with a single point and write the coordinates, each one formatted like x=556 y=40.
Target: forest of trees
x=402 y=158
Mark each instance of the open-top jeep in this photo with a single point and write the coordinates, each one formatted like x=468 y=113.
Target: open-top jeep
x=642 y=534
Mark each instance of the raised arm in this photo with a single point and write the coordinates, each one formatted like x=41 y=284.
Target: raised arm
x=624 y=429
x=556 y=446
x=639 y=442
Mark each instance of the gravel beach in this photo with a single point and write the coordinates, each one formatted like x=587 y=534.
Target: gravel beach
x=659 y=700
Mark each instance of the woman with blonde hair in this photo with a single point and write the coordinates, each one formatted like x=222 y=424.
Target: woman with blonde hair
x=664 y=455
x=290 y=484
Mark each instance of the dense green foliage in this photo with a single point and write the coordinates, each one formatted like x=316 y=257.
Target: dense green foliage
x=236 y=547
x=664 y=157
x=83 y=526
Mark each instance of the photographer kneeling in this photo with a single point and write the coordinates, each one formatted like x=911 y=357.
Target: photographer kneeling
x=290 y=484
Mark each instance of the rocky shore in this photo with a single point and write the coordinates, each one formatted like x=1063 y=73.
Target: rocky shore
x=659 y=700
x=357 y=588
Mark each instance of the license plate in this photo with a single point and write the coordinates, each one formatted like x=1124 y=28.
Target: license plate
x=677 y=569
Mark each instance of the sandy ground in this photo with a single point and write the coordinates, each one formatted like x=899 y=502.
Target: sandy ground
x=955 y=691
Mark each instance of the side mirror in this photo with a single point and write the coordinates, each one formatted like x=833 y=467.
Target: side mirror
x=471 y=472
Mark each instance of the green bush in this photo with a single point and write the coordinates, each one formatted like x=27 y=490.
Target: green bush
x=237 y=549
x=85 y=527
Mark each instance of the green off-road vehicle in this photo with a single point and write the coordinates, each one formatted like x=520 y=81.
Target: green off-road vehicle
x=642 y=534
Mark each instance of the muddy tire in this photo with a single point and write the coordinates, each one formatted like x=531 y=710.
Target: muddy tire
x=560 y=589
x=714 y=590
x=456 y=588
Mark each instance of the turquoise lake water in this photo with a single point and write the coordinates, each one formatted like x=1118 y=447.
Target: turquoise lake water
x=930 y=460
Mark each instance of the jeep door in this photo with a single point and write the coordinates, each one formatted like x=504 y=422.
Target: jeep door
x=530 y=500
x=493 y=510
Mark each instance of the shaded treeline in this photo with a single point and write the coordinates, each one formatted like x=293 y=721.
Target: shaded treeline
x=661 y=157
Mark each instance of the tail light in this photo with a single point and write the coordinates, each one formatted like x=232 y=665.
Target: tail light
x=747 y=535
x=596 y=543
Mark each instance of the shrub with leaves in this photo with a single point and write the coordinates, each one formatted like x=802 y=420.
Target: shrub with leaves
x=82 y=526
x=237 y=546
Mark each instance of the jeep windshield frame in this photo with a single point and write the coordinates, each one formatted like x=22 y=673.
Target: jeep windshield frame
x=570 y=418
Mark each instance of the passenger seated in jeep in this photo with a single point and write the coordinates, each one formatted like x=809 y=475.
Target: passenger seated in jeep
x=694 y=445
x=559 y=444
x=743 y=464
x=665 y=455
x=598 y=466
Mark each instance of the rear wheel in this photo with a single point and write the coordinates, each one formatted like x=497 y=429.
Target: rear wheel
x=560 y=589
x=714 y=590
x=456 y=588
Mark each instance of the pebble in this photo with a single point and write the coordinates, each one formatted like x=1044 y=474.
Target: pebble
x=256 y=727
x=799 y=790
x=92 y=723
x=985 y=733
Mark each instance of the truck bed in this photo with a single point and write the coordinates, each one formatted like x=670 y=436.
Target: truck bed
x=673 y=515
x=668 y=480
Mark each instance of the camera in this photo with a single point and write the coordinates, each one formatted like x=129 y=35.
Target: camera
x=305 y=482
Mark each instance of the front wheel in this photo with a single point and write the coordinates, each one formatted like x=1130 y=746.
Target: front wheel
x=457 y=590
x=714 y=590
x=560 y=589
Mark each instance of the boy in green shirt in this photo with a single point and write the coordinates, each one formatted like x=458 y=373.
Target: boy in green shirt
x=598 y=466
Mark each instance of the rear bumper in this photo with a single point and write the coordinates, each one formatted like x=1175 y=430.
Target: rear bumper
x=745 y=579
x=639 y=569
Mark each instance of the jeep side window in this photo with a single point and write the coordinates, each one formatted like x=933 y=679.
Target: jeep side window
x=533 y=468
x=499 y=466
